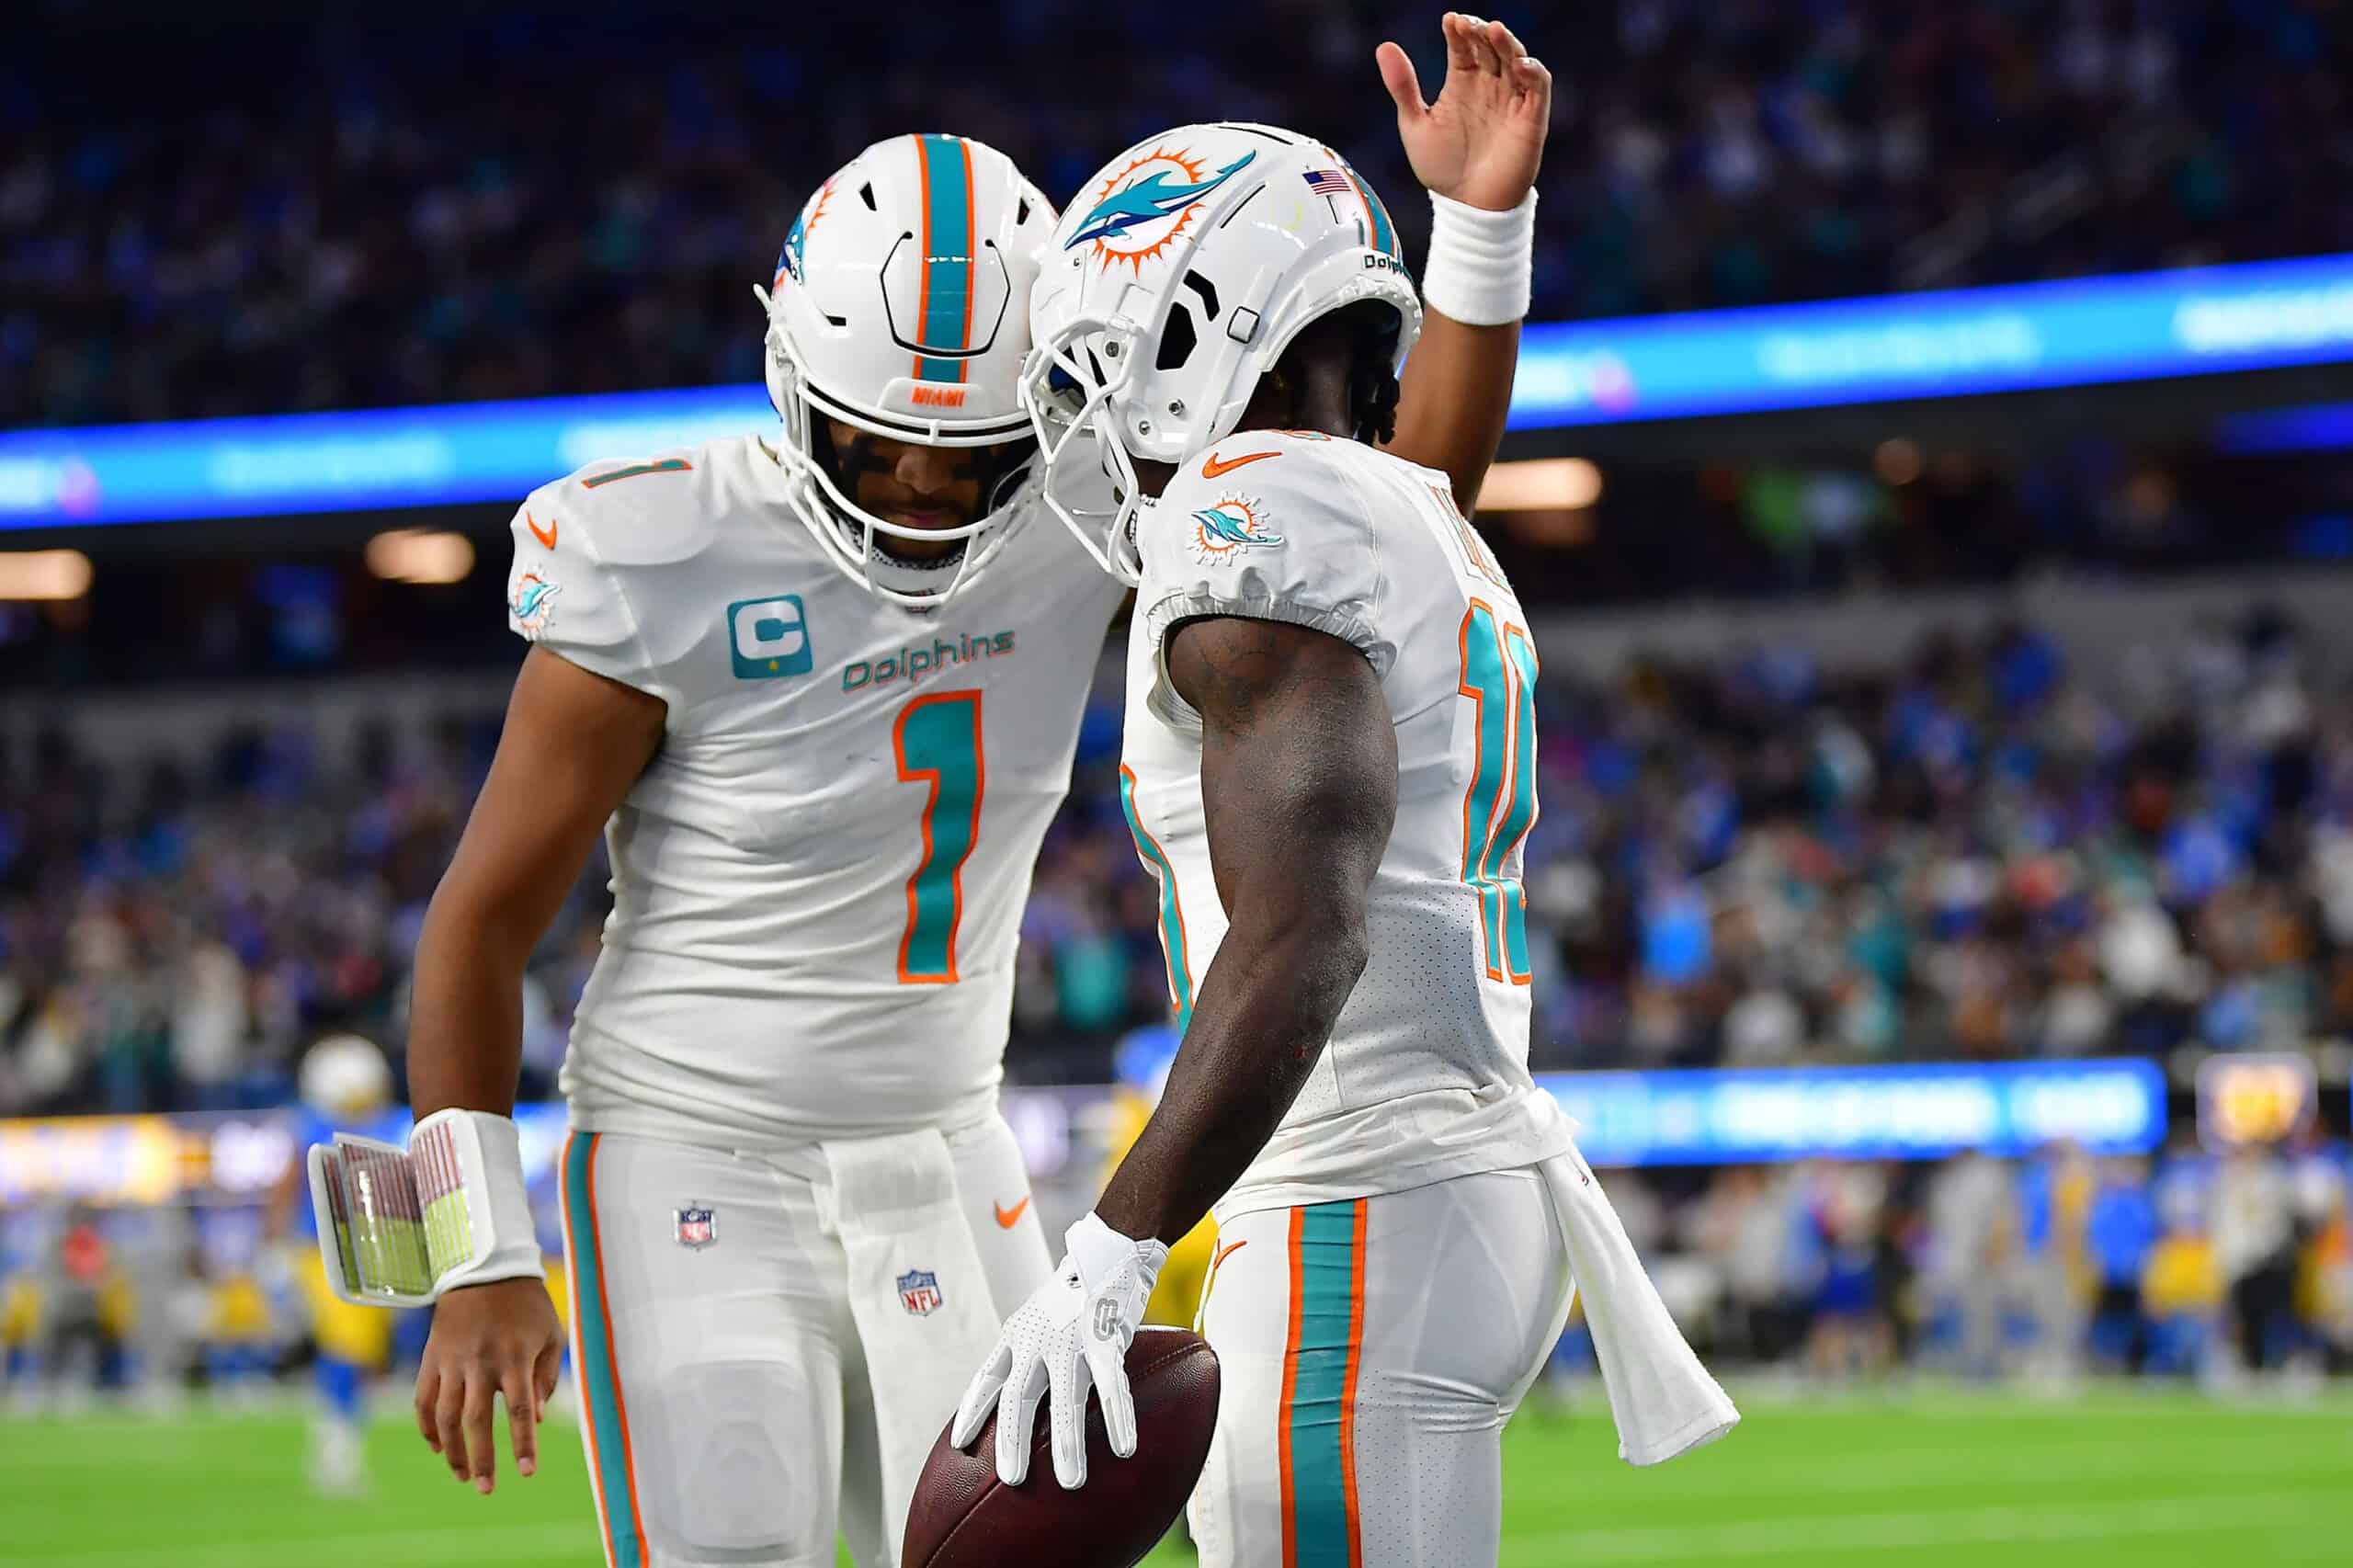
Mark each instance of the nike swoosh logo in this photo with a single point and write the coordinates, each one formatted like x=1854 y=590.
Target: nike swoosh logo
x=1212 y=467
x=1231 y=1246
x=1009 y=1218
x=546 y=536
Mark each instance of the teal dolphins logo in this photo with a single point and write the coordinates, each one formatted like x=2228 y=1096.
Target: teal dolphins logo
x=530 y=601
x=1144 y=206
x=790 y=261
x=1222 y=531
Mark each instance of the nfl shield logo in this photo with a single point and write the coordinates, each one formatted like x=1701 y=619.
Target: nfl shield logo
x=919 y=1291
x=698 y=1226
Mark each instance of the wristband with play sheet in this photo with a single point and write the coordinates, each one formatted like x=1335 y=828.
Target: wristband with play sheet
x=398 y=1227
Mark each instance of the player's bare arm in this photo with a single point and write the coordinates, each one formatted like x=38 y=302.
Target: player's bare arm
x=1479 y=146
x=572 y=745
x=1299 y=780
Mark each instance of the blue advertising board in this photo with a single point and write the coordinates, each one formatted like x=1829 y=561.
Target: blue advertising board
x=1958 y=343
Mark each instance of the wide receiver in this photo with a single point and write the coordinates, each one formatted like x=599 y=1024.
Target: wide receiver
x=1329 y=765
x=820 y=694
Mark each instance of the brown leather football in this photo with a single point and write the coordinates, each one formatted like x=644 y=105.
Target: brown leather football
x=964 y=1518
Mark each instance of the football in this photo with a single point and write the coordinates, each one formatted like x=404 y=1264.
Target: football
x=964 y=1518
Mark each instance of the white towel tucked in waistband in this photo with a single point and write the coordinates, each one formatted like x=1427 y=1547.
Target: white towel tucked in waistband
x=1662 y=1398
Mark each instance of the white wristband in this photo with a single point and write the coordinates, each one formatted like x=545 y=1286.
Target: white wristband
x=1482 y=263
x=481 y=1155
x=397 y=1227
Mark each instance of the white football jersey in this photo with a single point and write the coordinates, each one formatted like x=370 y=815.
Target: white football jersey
x=1427 y=1073
x=818 y=884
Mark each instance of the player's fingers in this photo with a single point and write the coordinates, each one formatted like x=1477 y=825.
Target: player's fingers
x=428 y=1394
x=1534 y=104
x=1016 y=1420
x=1070 y=1381
x=1459 y=54
x=480 y=1389
x=543 y=1378
x=449 y=1414
x=1118 y=1401
x=1484 y=59
x=522 y=1419
x=980 y=1398
x=1404 y=87
x=1507 y=42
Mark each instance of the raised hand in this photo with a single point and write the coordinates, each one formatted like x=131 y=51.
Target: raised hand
x=1482 y=143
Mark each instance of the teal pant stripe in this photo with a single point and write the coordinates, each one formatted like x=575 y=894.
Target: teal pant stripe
x=597 y=1381
x=948 y=265
x=1327 y=1287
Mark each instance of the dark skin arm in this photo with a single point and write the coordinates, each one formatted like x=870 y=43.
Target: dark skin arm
x=1299 y=776
x=1453 y=400
x=573 y=744
x=1480 y=144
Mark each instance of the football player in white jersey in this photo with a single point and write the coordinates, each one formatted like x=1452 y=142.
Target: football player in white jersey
x=1329 y=765
x=820 y=693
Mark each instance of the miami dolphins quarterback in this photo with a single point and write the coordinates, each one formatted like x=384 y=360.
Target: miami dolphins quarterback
x=819 y=691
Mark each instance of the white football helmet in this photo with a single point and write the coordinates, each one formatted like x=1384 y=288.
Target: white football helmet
x=1182 y=271
x=343 y=1076
x=899 y=306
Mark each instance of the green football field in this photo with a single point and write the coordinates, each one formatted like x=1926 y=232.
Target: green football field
x=2118 y=1477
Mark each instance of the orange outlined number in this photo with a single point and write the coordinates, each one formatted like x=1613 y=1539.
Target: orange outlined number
x=938 y=739
x=1499 y=678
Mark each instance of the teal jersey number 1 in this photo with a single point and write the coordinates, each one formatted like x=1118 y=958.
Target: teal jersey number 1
x=938 y=739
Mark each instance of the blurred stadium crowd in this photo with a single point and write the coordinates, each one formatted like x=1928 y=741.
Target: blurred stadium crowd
x=558 y=201
x=1969 y=853
x=2195 y=1266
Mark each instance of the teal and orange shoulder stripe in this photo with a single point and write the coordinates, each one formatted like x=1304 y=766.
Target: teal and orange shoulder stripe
x=946 y=307
x=1316 y=1446
x=1173 y=948
x=615 y=1477
x=667 y=465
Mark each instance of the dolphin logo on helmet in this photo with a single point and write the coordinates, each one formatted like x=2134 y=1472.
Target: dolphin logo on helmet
x=1142 y=201
x=1255 y=232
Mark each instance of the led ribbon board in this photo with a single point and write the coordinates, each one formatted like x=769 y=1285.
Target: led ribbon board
x=1962 y=342
x=1745 y=1115
x=1958 y=343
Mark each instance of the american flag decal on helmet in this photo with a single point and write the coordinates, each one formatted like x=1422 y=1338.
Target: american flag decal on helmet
x=1328 y=182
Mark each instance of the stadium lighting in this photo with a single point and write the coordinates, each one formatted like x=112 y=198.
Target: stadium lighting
x=43 y=575
x=413 y=555
x=1540 y=484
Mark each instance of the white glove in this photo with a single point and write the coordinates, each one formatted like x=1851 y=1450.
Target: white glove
x=1072 y=1333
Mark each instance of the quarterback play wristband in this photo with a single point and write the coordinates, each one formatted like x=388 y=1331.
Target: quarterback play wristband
x=1481 y=263
x=399 y=1227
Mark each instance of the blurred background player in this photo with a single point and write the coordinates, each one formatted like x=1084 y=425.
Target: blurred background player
x=346 y=1087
